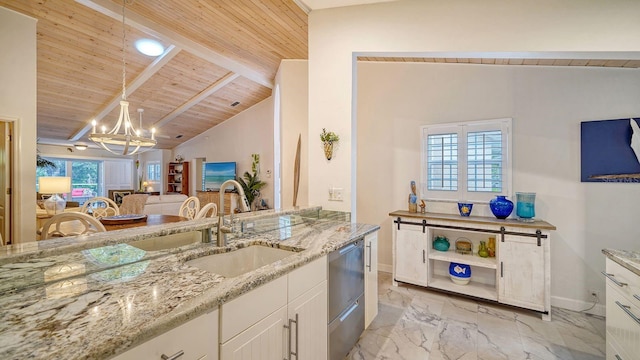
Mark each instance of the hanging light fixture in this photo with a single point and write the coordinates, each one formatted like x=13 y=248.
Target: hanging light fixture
x=130 y=141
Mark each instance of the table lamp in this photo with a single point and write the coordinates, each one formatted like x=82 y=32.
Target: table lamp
x=144 y=186
x=54 y=185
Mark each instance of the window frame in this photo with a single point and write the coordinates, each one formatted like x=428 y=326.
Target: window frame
x=462 y=129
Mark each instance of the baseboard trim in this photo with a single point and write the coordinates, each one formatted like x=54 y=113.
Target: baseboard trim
x=385 y=268
x=579 y=305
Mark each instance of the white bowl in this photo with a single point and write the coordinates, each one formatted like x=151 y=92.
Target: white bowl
x=460 y=280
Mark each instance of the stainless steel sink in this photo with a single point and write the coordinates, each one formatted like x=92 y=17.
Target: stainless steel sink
x=168 y=241
x=241 y=261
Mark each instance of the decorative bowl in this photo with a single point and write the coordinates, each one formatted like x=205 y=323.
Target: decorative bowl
x=441 y=243
x=465 y=208
x=460 y=273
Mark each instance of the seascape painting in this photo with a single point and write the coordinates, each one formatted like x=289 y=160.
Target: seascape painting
x=214 y=174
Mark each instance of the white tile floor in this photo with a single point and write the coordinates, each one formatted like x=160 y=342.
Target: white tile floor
x=418 y=324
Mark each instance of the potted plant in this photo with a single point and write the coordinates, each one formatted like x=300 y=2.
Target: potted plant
x=251 y=184
x=328 y=138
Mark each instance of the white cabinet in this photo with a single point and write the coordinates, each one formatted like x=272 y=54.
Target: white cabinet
x=288 y=314
x=518 y=275
x=522 y=272
x=410 y=255
x=370 y=278
x=193 y=339
x=623 y=313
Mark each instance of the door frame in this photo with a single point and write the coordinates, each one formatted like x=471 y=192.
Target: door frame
x=10 y=224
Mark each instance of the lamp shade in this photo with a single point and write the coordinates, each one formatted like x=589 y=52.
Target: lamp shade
x=54 y=184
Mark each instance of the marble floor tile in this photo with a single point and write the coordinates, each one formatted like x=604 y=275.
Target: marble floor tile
x=414 y=323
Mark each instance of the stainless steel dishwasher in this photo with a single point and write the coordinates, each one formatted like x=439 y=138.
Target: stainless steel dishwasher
x=346 y=298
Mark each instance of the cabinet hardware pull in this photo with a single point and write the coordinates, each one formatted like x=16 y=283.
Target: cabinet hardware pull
x=399 y=221
x=346 y=315
x=289 y=327
x=617 y=357
x=424 y=257
x=626 y=309
x=369 y=246
x=538 y=235
x=636 y=296
x=424 y=226
x=297 y=338
x=502 y=233
x=612 y=278
x=172 y=357
x=501 y=269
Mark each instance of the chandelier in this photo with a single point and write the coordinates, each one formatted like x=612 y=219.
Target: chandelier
x=131 y=140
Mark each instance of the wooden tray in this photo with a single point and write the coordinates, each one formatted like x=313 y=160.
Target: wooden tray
x=123 y=219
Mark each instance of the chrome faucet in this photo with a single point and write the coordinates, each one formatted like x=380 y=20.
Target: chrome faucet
x=244 y=205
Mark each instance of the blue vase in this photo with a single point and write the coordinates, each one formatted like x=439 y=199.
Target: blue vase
x=501 y=207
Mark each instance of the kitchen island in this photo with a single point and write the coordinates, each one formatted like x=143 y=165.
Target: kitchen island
x=97 y=296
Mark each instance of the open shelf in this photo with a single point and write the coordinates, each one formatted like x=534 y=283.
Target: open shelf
x=469 y=259
x=472 y=288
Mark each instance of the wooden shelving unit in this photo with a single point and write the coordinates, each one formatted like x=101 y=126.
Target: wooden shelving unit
x=178 y=178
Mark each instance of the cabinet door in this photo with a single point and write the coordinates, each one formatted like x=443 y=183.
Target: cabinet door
x=410 y=258
x=522 y=272
x=309 y=335
x=370 y=278
x=262 y=341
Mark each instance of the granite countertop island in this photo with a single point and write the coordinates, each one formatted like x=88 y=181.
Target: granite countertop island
x=99 y=296
x=627 y=259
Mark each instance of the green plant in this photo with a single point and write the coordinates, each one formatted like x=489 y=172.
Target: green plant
x=251 y=184
x=44 y=163
x=328 y=137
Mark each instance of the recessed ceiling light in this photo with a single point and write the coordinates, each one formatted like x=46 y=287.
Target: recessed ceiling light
x=149 y=47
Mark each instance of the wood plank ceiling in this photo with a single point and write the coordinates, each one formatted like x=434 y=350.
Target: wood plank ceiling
x=219 y=52
x=79 y=46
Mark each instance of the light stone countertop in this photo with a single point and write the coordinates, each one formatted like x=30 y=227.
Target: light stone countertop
x=628 y=259
x=80 y=304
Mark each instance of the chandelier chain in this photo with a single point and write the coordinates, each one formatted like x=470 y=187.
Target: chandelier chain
x=124 y=44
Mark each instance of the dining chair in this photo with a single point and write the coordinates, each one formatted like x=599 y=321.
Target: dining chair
x=209 y=210
x=70 y=224
x=100 y=207
x=190 y=208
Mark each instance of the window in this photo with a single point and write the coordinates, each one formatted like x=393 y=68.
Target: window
x=153 y=171
x=466 y=161
x=86 y=177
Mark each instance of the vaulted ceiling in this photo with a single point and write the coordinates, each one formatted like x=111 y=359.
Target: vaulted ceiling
x=218 y=53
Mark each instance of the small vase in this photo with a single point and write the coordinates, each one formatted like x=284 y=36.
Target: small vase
x=328 y=149
x=483 y=251
x=501 y=207
x=491 y=247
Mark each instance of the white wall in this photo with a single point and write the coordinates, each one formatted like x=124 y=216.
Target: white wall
x=18 y=104
x=292 y=79
x=250 y=132
x=547 y=105
x=164 y=157
x=433 y=27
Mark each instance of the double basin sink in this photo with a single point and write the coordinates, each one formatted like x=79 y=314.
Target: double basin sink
x=227 y=264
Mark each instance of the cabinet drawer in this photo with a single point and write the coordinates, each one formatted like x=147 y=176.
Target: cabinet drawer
x=244 y=311
x=305 y=278
x=621 y=324
x=628 y=283
x=193 y=338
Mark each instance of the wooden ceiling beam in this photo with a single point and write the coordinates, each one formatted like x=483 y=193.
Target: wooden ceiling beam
x=145 y=75
x=216 y=86
x=141 y=23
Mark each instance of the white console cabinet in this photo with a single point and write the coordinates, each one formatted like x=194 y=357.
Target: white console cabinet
x=518 y=275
